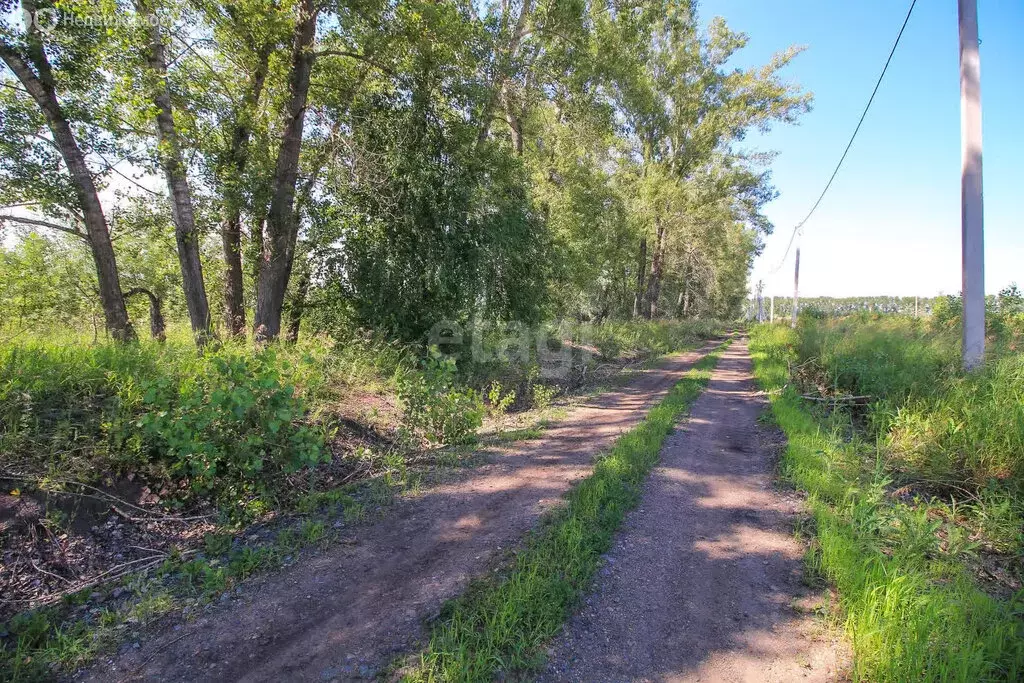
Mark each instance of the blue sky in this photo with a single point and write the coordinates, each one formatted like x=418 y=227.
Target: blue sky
x=890 y=224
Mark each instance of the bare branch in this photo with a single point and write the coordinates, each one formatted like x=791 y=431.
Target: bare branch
x=354 y=55
x=45 y=224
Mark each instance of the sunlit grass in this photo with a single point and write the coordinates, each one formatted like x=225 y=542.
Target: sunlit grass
x=908 y=602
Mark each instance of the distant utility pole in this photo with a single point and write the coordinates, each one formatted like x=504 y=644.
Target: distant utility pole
x=796 y=287
x=760 y=301
x=971 y=214
x=771 y=310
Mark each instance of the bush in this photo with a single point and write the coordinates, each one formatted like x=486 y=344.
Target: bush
x=435 y=407
x=224 y=429
x=223 y=421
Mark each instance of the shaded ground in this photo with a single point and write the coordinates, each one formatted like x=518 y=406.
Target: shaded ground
x=704 y=580
x=345 y=614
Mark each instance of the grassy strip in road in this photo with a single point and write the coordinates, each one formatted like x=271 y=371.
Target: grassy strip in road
x=909 y=605
x=501 y=625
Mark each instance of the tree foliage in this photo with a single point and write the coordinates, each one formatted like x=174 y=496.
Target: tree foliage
x=387 y=165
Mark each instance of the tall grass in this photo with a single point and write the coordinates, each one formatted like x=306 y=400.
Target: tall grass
x=940 y=425
x=219 y=418
x=228 y=419
x=907 y=599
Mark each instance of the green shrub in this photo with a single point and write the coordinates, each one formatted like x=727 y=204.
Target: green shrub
x=435 y=407
x=542 y=395
x=224 y=429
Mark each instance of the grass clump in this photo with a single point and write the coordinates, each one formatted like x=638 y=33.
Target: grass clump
x=500 y=626
x=907 y=595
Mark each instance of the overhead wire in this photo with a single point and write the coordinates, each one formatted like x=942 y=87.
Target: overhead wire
x=849 y=144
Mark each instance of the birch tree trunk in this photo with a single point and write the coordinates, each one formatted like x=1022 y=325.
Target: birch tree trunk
x=185 y=235
x=40 y=85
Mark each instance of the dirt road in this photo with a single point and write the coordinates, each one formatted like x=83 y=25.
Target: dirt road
x=345 y=614
x=704 y=577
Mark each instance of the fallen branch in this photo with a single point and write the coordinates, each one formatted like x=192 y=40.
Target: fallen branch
x=113 y=574
x=43 y=571
x=836 y=399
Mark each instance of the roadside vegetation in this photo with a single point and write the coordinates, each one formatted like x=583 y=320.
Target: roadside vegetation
x=266 y=264
x=915 y=482
x=143 y=479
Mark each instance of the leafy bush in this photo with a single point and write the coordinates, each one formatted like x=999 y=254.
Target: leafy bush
x=223 y=420
x=543 y=395
x=435 y=407
x=223 y=429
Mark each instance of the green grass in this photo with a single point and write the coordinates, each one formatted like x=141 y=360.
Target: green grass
x=500 y=626
x=907 y=598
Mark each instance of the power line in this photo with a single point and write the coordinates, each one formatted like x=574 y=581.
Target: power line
x=852 y=138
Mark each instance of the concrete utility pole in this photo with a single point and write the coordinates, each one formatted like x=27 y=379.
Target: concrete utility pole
x=971 y=214
x=771 y=310
x=796 y=287
x=760 y=301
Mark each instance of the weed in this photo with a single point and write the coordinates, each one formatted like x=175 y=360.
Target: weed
x=434 y=406
x=542 y=395
x=216 y=543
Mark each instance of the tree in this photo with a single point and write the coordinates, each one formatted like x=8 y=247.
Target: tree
x=170 y=159
x=282 y=227
x=29 y=58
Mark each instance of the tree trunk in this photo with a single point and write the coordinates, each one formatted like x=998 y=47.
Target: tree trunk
x=234 y=288
x=42 y=89
x=156 y=316
x=501 y=65
x=282 y=223
x=231 y=174
x=182 y=213
x=657 y=266
x=298 y=306
x=256 y=251
x=515 y=122
x=641 y=272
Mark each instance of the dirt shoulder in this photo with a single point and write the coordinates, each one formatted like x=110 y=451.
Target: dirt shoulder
x=705 y=579
x=346 y=613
